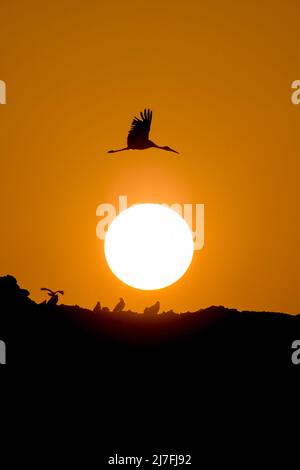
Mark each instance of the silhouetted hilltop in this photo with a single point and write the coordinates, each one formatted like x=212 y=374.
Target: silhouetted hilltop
x=11 y=294
x=211 y=337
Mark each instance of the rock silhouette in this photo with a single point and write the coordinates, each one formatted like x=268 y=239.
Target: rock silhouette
x=11 y=293
x=120 y=306
x=153 y=310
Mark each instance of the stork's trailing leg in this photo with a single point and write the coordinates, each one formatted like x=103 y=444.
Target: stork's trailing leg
x=120 y=150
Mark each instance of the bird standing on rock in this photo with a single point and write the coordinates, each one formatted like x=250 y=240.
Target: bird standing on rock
x=120 y=306
x=138 y=136
x=153 y=310
x=97 y=308
x=53 y=295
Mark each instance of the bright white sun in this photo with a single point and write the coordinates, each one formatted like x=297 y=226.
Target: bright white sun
x=149 y=246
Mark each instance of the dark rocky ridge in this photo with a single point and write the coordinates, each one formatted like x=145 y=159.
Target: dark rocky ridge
x=214 y=338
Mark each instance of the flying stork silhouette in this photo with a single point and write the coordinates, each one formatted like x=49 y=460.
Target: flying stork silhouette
x=138 y=136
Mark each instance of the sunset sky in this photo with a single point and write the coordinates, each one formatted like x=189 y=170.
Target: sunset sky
x=217 y=76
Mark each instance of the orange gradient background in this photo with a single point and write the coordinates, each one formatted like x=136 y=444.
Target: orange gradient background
x=218 y=77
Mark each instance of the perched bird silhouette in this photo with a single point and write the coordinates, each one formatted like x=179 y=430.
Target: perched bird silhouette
x=153 y=310
x=120 y=306
x=97 y=308
x=53 y=295
x=138 y=136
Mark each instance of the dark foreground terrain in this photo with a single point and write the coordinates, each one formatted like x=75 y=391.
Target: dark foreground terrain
x=215 y=338
x=207 y=383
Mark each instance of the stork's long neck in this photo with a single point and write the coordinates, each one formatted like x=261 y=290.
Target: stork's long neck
x=164 y=147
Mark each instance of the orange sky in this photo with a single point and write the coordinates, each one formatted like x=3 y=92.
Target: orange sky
x=218 y=77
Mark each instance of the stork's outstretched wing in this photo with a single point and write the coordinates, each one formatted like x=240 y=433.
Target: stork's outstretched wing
x=140 y=128
x=48 y=290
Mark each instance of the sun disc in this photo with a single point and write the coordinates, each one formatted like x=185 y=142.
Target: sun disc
x=148 y=246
